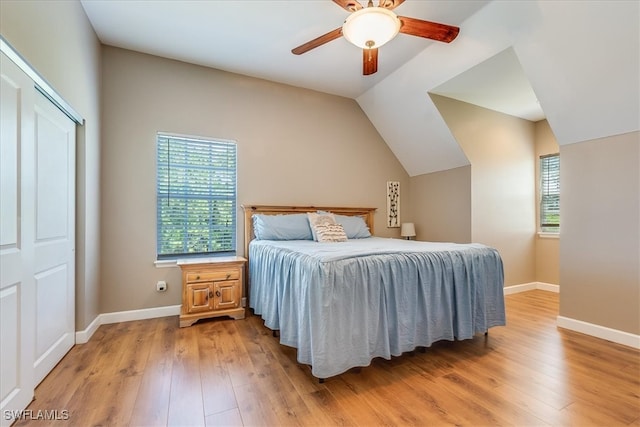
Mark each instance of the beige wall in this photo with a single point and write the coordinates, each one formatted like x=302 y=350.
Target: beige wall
x=55 y=37
x=547 y=248
x=500 y=149
x=295 y=146
x=600 y=236
x=441 y=205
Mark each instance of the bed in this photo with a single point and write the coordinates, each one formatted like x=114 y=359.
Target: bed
x=343 y=303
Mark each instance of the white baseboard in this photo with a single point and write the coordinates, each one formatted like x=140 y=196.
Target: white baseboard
x=125 y=316
x=548 y=287
x=614 y=335
x=146 y=313
x=597 y=331
x=83 y=337
x=514 y=289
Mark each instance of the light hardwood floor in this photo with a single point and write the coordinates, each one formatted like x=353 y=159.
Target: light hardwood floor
x=233 y=372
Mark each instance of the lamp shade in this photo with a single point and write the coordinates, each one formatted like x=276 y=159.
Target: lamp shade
x=408 y=229
x=371 y=27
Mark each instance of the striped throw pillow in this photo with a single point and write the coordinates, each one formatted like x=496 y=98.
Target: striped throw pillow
x=330 y=233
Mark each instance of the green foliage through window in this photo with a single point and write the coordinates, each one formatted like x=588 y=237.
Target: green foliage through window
x=550 y=193
x=196 y=196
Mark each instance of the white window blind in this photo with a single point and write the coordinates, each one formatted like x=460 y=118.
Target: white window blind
x=550 y=193
x=196 y=196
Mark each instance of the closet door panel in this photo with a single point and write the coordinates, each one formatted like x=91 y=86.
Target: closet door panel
x=53 y=141
x=52 y=304
x=10 y=184
x=54 y=242
x=17 y=282
x=9 y=331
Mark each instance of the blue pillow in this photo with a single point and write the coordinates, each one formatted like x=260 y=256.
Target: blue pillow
x=282 y=227
x=354 y=226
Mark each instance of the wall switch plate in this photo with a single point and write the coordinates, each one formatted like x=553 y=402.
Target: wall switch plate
x=161 y=286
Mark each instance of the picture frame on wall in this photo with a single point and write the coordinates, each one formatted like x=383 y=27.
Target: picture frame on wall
x=393 y=204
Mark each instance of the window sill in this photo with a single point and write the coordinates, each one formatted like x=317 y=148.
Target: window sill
x=165 y=263
x=548 y=235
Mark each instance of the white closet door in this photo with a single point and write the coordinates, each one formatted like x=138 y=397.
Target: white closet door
x=17 y=282
x=37 y=238
x=54 y=237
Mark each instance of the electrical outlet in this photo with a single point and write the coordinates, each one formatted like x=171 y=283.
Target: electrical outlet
x=161 y=286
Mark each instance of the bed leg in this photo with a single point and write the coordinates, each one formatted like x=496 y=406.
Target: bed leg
x=321 y=380
x=486 y=333
x=275 y=333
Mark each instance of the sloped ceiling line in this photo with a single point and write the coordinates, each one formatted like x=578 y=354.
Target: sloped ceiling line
x=415 y=130
x=556 y=54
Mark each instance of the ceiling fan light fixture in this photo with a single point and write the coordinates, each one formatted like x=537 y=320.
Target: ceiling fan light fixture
x=371 y=27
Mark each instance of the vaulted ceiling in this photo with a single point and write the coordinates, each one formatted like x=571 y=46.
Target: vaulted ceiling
x=574 y=62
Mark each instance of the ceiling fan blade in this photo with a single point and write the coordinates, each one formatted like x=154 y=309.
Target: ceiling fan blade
x=390 y=4
x=430 y=30
x=349 y=5
x=319 y=41
x=369 y=61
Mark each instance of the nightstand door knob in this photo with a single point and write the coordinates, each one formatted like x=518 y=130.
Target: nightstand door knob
x=210 y=295
x=198 y=277
x=228 y=275
x=218 y=293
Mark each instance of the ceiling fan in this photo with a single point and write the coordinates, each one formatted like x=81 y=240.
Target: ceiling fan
x=370 y=27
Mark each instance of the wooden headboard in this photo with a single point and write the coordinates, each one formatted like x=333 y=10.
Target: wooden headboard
x=250 y=210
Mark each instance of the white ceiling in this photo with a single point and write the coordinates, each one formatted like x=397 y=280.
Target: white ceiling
x=255 y=38
x=499 y=84
x=517 y=57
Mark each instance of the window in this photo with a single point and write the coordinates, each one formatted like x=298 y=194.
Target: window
x=196 y=196
x=550 y=193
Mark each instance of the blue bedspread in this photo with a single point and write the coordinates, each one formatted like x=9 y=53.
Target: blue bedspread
x=343 y=304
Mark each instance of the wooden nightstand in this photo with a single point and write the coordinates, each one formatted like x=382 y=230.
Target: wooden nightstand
x=212 y=288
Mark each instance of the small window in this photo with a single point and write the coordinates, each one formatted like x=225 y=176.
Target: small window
x=550 y=193
x=196 y=196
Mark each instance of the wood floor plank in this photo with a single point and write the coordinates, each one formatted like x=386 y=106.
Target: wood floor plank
x=390 y=390
x=186 y=407
x=526 y=402
x=254 y=410
x=139 y=335
x=424 y=397
x=234 y=372
x=217 y=390
x=516 y=372
x=331 y=409
x=280 y=396
x=485 y=397
x=225 y=419
x=581 y=414
x=241 y=370
x=361 y=408
x=152 y=402
x=118 y=394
